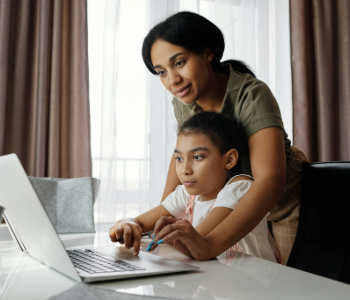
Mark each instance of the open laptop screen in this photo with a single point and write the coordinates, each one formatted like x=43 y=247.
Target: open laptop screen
x=29 y=219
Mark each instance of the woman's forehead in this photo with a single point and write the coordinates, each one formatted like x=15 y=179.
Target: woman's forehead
x=162 y=52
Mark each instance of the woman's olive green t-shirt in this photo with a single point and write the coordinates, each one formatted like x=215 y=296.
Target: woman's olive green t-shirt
x=249 y=102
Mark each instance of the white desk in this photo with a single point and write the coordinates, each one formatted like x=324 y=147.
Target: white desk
x=22 y=277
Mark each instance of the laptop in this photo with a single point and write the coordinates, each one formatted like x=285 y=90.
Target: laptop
x=34 y=234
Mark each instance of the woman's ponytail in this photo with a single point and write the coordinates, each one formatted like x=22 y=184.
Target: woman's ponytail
x=239 y=66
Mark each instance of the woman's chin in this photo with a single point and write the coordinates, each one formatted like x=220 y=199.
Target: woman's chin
x=187 y=100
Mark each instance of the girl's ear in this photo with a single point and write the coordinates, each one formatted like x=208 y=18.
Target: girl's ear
x=231 y=158
x=208 y=54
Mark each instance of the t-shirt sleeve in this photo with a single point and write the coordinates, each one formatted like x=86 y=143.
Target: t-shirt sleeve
x=176 y=203
x=257 y=107
x=177 y=111
x=232 y=193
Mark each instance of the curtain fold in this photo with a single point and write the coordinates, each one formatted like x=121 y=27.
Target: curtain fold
x=44 y=87
x=320 y=49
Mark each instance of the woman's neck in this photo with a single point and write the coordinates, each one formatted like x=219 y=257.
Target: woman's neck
x=213 y=97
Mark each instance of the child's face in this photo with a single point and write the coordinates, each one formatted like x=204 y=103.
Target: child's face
x=200 y=166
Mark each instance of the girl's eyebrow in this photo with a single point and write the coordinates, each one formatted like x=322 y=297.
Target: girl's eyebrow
x=199 y=149
x=170 y=59
x=193 y=150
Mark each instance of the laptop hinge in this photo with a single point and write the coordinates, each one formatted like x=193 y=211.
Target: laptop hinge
x=15 y=235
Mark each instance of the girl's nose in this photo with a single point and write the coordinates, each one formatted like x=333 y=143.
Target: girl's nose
x=186 y=169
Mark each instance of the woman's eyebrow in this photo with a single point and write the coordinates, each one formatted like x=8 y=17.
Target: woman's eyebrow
x=175 y=55
x=170 y=59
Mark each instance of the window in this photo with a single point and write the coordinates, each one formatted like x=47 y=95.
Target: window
x=132 y=119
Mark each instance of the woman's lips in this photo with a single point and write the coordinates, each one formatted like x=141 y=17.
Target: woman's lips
x=183 y=92
x=189 y=183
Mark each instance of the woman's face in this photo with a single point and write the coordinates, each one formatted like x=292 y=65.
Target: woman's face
x=183 y=72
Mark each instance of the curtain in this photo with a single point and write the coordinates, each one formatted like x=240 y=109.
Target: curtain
x=256 y=32
x=133 y=122
x=320 y=43
x=44 y=88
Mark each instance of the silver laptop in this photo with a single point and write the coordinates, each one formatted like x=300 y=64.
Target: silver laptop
x=35 y=235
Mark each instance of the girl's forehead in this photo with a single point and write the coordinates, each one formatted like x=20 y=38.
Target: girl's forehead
x=187 y=142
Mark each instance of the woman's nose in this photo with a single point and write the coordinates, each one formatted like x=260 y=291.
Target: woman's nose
x=174 y=78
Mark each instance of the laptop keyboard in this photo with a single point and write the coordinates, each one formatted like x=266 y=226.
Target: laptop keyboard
x=94 y=262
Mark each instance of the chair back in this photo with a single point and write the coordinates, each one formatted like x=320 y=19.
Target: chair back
x=322 y=244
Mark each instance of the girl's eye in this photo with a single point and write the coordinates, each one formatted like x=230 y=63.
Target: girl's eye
x=197 y=157
x=178 y=158
x=161 y=73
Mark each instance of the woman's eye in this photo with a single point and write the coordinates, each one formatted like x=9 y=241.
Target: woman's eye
x=161 y=73
x=179 y=63
x=197 y=157
x=178 y=158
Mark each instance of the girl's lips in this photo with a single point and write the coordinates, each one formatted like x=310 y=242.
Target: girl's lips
x=189 y=183
x=184 y=92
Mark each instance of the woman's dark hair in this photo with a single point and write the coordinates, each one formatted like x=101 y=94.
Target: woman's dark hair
x=223 y=133
x=194 y=32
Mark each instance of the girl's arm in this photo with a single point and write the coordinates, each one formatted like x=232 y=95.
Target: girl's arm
x=268 y=163
x=133 y=227
x=148 y=219
x=172 y=180
x=214 y=218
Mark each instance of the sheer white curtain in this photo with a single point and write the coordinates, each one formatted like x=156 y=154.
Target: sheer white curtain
x=256 y=32
x=132 y=119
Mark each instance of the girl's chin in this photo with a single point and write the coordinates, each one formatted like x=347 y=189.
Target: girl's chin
x=193 y=190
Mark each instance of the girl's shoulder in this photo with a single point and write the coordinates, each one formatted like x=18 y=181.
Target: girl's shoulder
x=233 y=191
x=241 y=177
x=239 y=184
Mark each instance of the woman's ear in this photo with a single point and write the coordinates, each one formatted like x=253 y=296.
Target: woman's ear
x=208 y=54
x=231 y=158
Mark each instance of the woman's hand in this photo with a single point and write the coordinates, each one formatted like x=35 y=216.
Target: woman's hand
x=181 y=235
x=130 y=231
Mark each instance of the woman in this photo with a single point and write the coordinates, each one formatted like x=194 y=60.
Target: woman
x=185 y=52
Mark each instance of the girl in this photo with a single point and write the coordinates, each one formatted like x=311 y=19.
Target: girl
x=208 y=165
x=185 y=51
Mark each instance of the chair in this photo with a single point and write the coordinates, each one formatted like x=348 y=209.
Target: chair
x=322 y=244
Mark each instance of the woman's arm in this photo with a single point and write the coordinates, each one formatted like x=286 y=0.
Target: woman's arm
x=172 y=180
x=268 y=163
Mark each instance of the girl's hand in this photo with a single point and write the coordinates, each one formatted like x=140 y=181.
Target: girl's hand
x=130 y=231
x=181 y=235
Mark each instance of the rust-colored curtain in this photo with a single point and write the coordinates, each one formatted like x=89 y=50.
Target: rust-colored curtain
x=44 y=88
x=320 y=49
